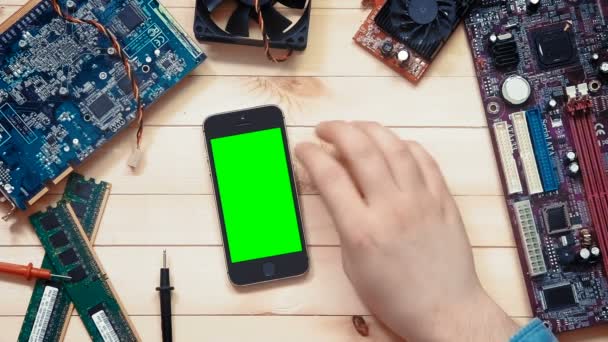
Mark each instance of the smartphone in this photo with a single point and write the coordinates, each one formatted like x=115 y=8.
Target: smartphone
x=256 y=196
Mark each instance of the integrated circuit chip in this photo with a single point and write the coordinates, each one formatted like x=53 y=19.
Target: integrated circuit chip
x=83 y=190
x=559 y=296
x=130 y=18
x=59 y=239
x=125 y=85
x=556 y=218
x=78 y=273
x=49 y=222
x=554 y=47
x=80 y=209
x=101 y=106
x=68 y=257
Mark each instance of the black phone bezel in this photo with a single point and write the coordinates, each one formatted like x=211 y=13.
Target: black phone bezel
x=270 y=268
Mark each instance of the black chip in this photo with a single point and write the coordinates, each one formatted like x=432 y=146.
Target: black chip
x=130 y=18
x=167 y=63
x=49 y=221
x=554 y=47
x=83 y=190
x=101 y=106
x=558 y=297
x=68 y=257
x=80 y=209
x=557 y=219
x=95 y=309
x=125 y=85
x=77 y=273
x=59 y=239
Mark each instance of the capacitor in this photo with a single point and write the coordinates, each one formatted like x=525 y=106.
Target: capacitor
x=516 y=90
x=570 y=157
x=595 y=252
x=574 y=169
x=604 y=68
x=532 y=5
x=403 y=56
x=493 y=38
x=584 y=254
x=595 y=57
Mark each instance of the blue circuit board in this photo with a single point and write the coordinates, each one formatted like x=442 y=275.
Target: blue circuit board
x=64 y=91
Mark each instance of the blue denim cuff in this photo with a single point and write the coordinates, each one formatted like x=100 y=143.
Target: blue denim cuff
x=535 y=331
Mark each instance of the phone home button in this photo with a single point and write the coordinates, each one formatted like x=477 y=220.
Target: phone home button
x=268 y=268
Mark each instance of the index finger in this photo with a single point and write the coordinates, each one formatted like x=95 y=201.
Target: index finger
x=333 y=181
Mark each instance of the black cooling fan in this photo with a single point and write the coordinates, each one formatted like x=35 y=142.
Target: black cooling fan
x=282 y=34
x=423 y=25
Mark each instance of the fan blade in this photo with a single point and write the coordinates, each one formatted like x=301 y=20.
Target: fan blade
x=294 y=3
x=275 y=22
x=238 y=24
x=212 y=4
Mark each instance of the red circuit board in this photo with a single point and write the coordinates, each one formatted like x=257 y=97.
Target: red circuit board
x=371 y=38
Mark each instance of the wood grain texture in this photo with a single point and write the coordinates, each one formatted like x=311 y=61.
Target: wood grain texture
x=168 y=202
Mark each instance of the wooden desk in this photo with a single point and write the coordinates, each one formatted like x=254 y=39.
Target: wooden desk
x=168 y=202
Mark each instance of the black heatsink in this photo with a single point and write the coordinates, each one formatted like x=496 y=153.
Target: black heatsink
x=423 y=25
x=237 y=28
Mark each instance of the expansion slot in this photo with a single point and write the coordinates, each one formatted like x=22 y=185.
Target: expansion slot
x=548 y=175
x=594 y=177
x=505 y=149
x=50 y=307
x=90 y=289
x=530 y=239
x=526 y=153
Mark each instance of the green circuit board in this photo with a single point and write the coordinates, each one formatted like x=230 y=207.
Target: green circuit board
x=50 y=307
x=89 y=289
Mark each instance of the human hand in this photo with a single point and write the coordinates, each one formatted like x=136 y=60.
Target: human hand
x=404 y=246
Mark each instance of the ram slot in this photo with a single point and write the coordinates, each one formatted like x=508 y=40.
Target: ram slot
x=526 y=153
x=505 y=149
x=530 y=239
x=548 y=175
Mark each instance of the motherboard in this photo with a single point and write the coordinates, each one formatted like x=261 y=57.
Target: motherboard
x=542 y=68
x=64 y=89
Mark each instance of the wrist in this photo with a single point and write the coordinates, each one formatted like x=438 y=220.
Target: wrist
x=476 y=318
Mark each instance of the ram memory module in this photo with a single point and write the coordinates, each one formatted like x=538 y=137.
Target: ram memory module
x=50 y=308
x=90 y=290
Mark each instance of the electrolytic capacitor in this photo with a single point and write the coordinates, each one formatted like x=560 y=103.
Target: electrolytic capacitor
x=403 y=56
x=570 y=157
x=604 y=68
x=552 y=104
x=532 y=5
x=595 y=252
x=574 y=169
x=584 y=254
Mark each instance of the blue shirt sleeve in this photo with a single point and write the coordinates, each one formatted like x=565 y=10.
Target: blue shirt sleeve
x=535 y=331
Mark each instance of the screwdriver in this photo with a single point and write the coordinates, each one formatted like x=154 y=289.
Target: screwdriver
x=164 y=290
x=29 y=271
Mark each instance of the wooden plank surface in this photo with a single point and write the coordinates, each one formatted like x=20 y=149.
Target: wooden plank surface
x=168 y=202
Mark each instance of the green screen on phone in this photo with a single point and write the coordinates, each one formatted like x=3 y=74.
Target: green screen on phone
x=255 y=194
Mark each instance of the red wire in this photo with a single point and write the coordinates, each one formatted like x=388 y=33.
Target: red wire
x=266 y=38
x=123 y=57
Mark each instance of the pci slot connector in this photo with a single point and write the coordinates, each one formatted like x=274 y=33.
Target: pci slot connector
x=526 y=153
x=548 y=175
x=505 y=149
x=530 y=239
